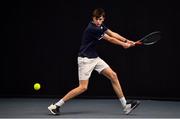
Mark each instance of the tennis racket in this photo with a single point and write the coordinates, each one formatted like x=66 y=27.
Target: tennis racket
x=149 y=39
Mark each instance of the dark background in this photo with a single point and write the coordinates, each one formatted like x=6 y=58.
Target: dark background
x=41 y=41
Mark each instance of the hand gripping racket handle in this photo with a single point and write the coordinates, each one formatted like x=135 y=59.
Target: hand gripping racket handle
x=138 y=43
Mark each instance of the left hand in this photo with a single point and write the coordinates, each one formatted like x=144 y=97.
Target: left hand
x=132 y=43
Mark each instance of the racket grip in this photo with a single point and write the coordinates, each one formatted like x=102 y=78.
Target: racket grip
x=138 y=43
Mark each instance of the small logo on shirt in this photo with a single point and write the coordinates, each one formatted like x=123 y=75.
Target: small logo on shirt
x=101 y=37
x=101 y=27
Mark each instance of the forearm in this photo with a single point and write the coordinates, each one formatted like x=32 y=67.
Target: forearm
x=115 y=41
x=119 y=37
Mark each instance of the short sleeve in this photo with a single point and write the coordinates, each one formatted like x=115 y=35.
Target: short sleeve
x=104 y=28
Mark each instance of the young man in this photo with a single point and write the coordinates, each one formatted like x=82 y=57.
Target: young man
x=88 y=61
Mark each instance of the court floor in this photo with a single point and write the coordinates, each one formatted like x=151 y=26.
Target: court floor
x=86 y=108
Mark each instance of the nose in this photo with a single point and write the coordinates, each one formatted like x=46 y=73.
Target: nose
x=99 y=21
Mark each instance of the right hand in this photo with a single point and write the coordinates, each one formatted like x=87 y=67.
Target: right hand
x=138 y=43
x=131 y=42
x=127 y=45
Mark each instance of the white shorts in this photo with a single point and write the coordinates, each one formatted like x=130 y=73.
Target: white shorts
x=87 y=65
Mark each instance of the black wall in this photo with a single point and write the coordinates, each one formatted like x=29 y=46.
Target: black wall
x=41 y=41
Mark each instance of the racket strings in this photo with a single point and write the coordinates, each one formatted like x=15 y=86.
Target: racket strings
x=151 y=39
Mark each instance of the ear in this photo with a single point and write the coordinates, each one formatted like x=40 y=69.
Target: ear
x=93 y=18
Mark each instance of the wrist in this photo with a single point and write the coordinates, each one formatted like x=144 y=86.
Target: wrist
x=125 y=40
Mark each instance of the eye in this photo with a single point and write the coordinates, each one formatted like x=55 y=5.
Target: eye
x=100 y=19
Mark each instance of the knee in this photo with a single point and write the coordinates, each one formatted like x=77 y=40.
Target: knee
x=83 y=88
x=113 y=76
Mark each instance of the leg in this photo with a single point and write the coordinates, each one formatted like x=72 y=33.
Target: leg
x=83 y=85
x=128 y=106
x=110 y=74
x=85 y=68
x=103 y=68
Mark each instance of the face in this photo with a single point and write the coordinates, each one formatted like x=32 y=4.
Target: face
x=98 y=21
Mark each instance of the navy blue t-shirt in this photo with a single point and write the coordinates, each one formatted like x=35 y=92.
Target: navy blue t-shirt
x=91 y=35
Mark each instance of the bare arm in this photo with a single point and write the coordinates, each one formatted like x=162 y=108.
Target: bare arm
x=116 y=41
x=118 y=37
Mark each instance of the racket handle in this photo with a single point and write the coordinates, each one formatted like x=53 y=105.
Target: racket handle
x=138 y=43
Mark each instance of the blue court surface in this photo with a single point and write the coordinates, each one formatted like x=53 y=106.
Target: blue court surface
x=86 y=108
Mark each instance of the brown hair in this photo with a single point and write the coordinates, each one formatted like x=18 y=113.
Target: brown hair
x=98 y=13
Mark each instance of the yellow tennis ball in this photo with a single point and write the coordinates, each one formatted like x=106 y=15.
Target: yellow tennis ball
x=37 y=86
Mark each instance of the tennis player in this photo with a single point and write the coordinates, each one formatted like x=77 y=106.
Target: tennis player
x=88 y=60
